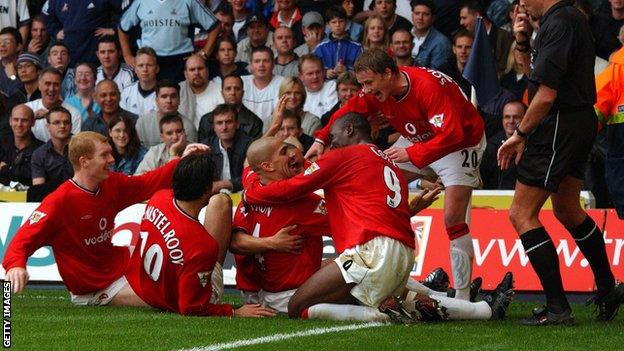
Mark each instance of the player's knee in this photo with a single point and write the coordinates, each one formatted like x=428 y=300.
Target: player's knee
x=517 y=216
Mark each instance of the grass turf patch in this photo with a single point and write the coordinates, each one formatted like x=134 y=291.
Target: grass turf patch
x=46 y=319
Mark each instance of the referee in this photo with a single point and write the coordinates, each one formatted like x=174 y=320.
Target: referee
x=551 y=147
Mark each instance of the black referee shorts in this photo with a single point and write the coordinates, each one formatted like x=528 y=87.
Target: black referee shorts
x=558 y=147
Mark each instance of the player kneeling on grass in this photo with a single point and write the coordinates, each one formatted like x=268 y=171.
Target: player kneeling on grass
x=176 y=265
x=366 y=197
x=77 y=221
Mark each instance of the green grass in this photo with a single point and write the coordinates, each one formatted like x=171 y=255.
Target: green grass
x=46 y=320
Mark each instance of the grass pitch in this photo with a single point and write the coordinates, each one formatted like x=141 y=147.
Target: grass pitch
x=46 y=320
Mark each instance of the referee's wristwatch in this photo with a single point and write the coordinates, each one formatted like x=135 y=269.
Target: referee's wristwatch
x=520 y=133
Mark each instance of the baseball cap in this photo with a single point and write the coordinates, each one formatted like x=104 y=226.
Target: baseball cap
x=311 y=18
x=28 y=57
x=256 y=17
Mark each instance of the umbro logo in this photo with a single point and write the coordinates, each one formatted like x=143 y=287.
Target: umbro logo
x=90 y=6
x=173 y=12
x=150 y=12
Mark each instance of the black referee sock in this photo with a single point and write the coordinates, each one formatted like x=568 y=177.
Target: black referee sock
x=590 y=241
x=543 y=256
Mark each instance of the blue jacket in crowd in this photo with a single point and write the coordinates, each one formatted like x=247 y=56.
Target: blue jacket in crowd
x=332 y=50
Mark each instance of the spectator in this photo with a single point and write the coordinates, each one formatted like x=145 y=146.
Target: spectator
x=10 y=47
x=167 y=103
x=127 y=149
x=291 y=126
x=293 y=89
x=240 y=19
x=107 y=96
x=606 y=27
x=232 y=92
x=83 y=100
x=258 y=35
x=39 y=42
x=312 y=25
x=173 y=143
x=15 y=14
x=16 y=152
x=401 y=45
x=500 y=40
x=288 y=15
x=375 y=33
x=337 y=52
x=226 y=21
x=346 y=86
x=225 y=62
x=462 y=44
x=261 y=87
x=58 y=57
x=139 y=97
x=386 y=9
x=167 y=27
x=49 y=161
x=432 y=49
x=109 y=54
x=50 y=88
x=28 y=68
x=229 y=148
x=320 y=95
x=79 y=27
x=447 y=13
x=198 y=95
x=353 y=28
x=514 y=79
x=286 y=61
x=491 y=174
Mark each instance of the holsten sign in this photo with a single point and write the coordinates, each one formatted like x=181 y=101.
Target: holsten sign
x=496 y=245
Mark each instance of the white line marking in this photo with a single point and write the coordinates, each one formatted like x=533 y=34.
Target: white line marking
x=26 y=297
x=280 y=337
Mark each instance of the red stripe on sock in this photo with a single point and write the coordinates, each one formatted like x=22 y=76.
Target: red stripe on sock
x=457 y=231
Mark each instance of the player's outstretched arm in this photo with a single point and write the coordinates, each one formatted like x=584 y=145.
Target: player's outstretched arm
x=423 y=200
x=18 y=276
x=254 y=310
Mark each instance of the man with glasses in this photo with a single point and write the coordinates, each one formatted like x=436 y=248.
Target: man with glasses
x=50 y=163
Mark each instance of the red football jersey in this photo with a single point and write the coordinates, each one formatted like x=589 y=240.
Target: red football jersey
x=280 y=271
x=366 y=195
x=434 y=114
x=171 y=267
x=78 y=225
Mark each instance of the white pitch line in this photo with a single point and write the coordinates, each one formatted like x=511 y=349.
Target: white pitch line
x=280 y=337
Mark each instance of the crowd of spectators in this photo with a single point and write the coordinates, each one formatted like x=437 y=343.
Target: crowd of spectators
x=152 y=78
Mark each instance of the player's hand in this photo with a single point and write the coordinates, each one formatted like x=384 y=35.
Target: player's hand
x=315 y=151
x=397 y=154
x=18 y=276
x=254 y=310
x=195 y=148
x=283 y=241
x=511 y=149
x=100 y=32
x=423 y=200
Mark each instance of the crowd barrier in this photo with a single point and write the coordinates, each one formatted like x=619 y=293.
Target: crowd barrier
x=497 y=247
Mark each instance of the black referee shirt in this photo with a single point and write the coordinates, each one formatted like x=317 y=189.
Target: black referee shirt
x=563 y=58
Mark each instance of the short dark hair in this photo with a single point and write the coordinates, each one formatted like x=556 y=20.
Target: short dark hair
x=225 y=39
x=146 y=50
x=335 y=12
x=57 y=109
x=109 y=39
x=462 y=32
x=13 y=32
x=375 y=60
x=169 y=119
x=58 y=43
x=51 y=70
x=290 y=114
x=192 y=177
x=474 y=6
x=222 y=109
x=347 y=78
x=427 y=3
x=360 y=123
x=166 y=83
x=91 y=68
x=262 y=48
x=232 y=75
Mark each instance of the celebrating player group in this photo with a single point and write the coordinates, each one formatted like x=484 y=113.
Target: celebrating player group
x=276 y=231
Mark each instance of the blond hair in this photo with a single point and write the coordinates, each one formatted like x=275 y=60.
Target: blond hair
x=83 y=144
x=289 y=82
